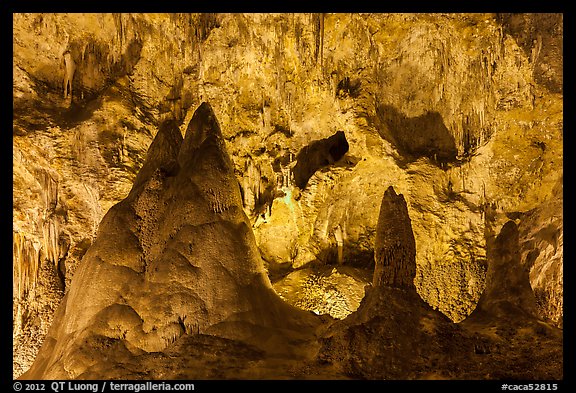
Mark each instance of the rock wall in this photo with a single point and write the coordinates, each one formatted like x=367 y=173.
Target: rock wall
x=461 y=113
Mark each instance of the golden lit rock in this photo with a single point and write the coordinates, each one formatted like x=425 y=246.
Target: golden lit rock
x=319 y=115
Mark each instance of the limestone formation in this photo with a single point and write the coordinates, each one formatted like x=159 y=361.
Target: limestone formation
x=177 y=257
x=251 y=185
x=541 y=237
x=508 y=289
x=69 y=69
x=462 y=113
x=394 y=246
x=394 y=334
x=161 y=155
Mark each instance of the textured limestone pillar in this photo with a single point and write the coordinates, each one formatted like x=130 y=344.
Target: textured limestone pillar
x=507 y=281
x=395 y=247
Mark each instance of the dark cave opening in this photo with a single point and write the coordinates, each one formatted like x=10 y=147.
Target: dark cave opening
x=352 y=255
x=348 y=88
x=317 y=155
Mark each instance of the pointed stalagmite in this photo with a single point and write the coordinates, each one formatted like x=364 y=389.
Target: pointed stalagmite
x=395 y=247
x=162 y=153
x=176 y=258
x=508 y=287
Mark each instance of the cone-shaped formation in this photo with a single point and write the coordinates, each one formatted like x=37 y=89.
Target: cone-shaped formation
x=508 y=287
x=202 y=127
x=395 y=247
x=176 y=259
x=394 y=333
x=162 y=153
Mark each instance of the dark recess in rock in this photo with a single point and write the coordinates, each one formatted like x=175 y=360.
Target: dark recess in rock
x=420 y=136
x=317 y=155
x=348 y=88
x=353 y=255
x=93 y=72
x=394 y=247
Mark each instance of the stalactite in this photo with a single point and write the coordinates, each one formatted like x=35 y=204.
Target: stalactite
x=322 y=40
x=251 y=184
x=25 y=267
x=50 y=228
x=119 y=27
x=50 y=245
x=297 y=34
x=122 y=149
x=287 y=175
x=535 y=53
x=339 y=236
x=318 y=29
x=49 y=188
x=26 y=258
x=94 y=198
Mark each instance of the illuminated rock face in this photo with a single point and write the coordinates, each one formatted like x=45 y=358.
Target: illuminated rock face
x=461 y=113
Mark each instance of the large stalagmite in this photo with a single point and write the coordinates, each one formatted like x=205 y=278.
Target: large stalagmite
x=394 y=334
x=177 y=257
x=393 y=331
x=507 y=283
x=394 y=247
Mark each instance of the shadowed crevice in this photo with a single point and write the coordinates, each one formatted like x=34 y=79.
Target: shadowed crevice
x=317 y=155
x=421 y=136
